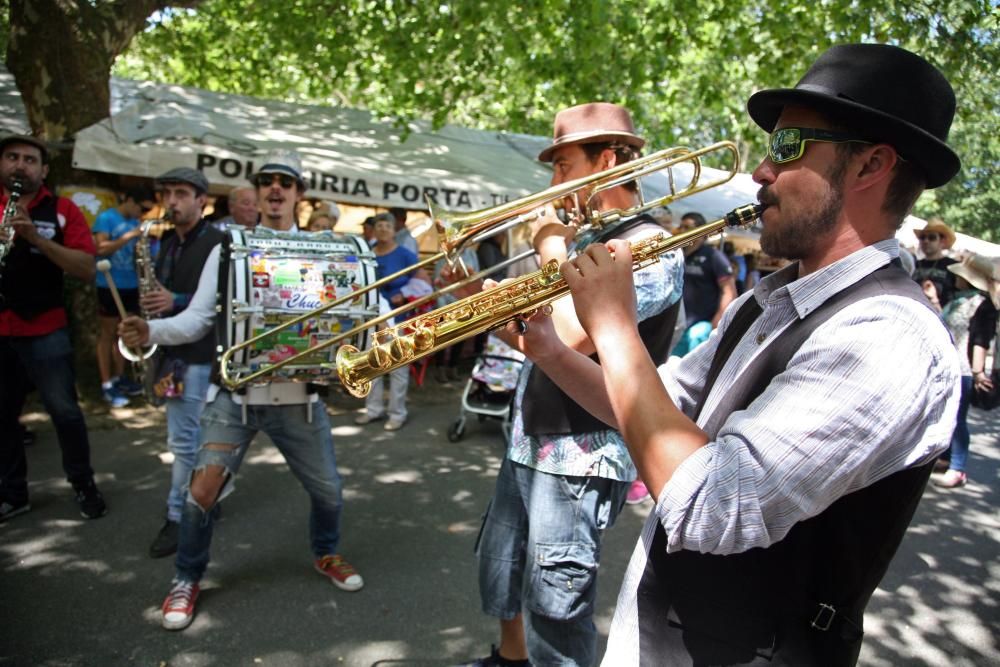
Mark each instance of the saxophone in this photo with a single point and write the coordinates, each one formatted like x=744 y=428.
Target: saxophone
x=494 y=308
x=148 y=362
x=9 y=211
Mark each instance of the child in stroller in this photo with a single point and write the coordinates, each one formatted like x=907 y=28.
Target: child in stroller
x=490 y=388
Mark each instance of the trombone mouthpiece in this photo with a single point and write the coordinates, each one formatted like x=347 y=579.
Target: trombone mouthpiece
x=103 y=265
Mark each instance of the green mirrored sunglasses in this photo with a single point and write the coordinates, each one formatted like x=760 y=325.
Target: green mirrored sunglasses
x=789 y=143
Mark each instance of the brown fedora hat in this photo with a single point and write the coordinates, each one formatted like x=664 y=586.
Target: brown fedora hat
x=26 y=139
x=886 y=93
x=590 y=124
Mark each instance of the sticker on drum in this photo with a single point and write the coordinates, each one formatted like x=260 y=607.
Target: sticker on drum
x=291 y=274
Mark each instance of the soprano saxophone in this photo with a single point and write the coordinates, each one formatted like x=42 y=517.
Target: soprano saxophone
x=494 y=308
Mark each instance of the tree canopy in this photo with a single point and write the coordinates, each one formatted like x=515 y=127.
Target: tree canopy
x=685 y=70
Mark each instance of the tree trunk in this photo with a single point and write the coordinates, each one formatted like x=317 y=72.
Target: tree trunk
x=60 y=53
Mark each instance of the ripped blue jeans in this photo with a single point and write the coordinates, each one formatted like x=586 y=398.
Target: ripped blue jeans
x=307 y=448
x=539 y=550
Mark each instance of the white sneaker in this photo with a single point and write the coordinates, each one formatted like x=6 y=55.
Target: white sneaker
x=366 y=418
x=951 y=479
x=394 y=424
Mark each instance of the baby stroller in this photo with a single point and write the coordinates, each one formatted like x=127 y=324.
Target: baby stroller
x=490 y=388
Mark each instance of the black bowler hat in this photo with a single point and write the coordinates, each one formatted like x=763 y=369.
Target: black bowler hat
x=884 y=92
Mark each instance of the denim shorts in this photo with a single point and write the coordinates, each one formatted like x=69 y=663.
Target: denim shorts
x=540 y=544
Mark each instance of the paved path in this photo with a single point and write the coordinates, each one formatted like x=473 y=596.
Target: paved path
x=80 y=593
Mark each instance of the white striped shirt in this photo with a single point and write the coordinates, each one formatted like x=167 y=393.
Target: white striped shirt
x=873 y=390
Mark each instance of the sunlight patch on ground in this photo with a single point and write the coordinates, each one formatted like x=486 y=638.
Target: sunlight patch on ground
x=269 y=454
x=27 y=551
x=464 y=527
x=400 y=477
x=327 y=608
x=374 y=651
x=192 y=658
x=914 y=632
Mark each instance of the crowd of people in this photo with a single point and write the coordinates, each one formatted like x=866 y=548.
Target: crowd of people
x=783 y=424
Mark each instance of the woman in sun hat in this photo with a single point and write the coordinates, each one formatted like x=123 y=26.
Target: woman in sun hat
x=971 y=317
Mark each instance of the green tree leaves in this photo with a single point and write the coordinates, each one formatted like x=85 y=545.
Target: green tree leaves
x=684 y=69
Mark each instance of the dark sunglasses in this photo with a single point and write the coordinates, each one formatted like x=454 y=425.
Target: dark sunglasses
x=265 y=180
x=789 y=143
x=929 y=237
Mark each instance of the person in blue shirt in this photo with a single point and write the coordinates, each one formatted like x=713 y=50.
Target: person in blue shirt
x=115 y=233
x=391 y=257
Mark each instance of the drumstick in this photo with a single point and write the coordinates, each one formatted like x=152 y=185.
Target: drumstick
x=104 y=266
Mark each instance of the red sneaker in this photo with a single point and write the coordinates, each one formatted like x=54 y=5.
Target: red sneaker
x=340 y=572
x=178 y=608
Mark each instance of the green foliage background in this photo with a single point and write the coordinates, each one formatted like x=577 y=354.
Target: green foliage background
x=685 y=69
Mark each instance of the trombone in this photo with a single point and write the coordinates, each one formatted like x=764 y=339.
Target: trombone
x=457 y=230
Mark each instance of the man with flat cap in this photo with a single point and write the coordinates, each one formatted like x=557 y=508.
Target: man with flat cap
x=51 y=239
x=566 y=475
x=182 y=374
x=290 y=413
x=788 y=453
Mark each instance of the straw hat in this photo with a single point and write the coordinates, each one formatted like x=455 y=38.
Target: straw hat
x=983 y=273
x=937 y=225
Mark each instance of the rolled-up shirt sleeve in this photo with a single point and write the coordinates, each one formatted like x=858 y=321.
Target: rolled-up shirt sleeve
x=198 y=318
x=854 y=405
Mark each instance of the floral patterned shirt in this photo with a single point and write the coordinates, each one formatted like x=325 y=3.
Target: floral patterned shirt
x=599 y=453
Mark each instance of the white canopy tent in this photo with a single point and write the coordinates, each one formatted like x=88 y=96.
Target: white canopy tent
x=348 y=155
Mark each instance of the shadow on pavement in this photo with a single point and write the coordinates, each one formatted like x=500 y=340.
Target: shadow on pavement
x=80 y=593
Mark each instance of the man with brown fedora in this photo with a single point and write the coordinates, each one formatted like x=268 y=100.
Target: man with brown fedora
x=932 y=268
x=788 y=453
x=566 y=474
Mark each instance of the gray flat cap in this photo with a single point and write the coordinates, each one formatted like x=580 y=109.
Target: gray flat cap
x=192 y=177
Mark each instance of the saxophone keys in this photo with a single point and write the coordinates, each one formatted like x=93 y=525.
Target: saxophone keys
x=423 y=339
x=401 y=349
x=379 y=357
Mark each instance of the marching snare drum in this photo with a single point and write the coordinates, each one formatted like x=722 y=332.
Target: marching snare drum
x=269 y=277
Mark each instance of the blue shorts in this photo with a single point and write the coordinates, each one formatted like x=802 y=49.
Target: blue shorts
x=539 y=547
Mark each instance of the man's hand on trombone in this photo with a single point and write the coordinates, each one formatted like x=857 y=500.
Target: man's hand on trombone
x=550 y=236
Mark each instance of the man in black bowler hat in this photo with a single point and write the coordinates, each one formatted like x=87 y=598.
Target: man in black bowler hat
x=788 y=453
